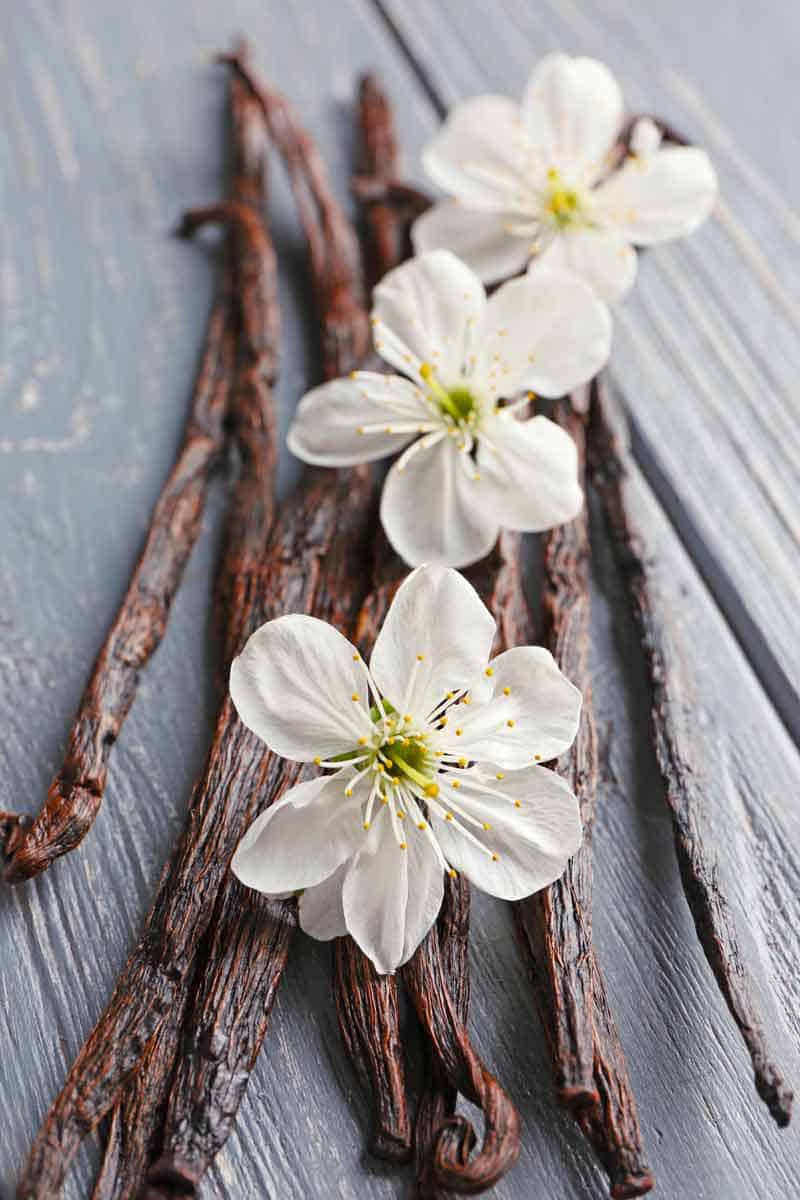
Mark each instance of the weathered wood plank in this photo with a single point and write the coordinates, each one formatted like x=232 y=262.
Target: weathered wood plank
x=707 y=347
x=111 y=130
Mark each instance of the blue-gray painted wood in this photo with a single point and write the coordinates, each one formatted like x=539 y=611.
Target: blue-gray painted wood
x=111 y=125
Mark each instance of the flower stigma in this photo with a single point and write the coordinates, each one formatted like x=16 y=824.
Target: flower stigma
x=562 y=203
x=457 y=403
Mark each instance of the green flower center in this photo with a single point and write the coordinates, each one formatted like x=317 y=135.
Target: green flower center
x=562 y=203
x=457 y=403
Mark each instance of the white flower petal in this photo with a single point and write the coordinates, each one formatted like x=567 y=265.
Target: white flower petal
x=645 y=138
x=572 y=109
x=603 y=258
x=481 y=154
x=429 y=511
x=547 y=331
x=665 y=196
x=425 y=889
x=320 y=907
x=532 y=843
x=392 y=897
x=438 y=615
x=293 y=685
x=529 y=472
x=480 y=239
x=531 y=714
x=302 y=838
x=356 y=420
x=429 y=310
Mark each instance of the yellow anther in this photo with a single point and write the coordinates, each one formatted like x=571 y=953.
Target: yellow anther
x=510 y=724
x=420 y=825
x=388 y=429
x=459 y=732
x=384 y=799
x=317 y=761
x=407 y=716
x=356 y=657
x=443 y=722
x=395 y=783
x=462 y=762
x=401 y=815
x=354 y=374
x=366 y=825
x=355 y=696
x=517 y=804
x=486 y=825
x=494 y=858
x=450 y=695
x=362 y=741
x=506 y=691
x=499 y=775
x=420 y=658
x=381 y=769
x=552 y=174
x=476 y=477
x=453 y=873
x=448 y=816
x=537 y=758
x=403 y=846
x=466 y=700
x=432 y=790
x=348 y=791
x=489 y=671
x=454 y=783
x=359 y=429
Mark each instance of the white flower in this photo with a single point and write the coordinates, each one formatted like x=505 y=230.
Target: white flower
x=433 y=751
x=470 y=466
x=532 y=180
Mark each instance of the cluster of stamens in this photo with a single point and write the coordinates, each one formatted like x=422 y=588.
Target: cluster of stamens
x=411 y=778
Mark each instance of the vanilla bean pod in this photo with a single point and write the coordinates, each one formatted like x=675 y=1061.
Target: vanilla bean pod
x=677 y=756
x=367 y=1004
x=437 y=1103
x=76 y=793
x=498 y=580
x=157 y=971
x=555 y=925
x=132 y=1137
x=429 y=985
x=248 y=945
x=345 y=325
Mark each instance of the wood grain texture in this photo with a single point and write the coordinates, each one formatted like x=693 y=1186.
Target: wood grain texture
x=111 y=112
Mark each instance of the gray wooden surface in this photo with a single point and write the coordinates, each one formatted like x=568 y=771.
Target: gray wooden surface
x=111 y=125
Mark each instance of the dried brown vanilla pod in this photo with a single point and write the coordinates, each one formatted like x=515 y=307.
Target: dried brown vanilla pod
x=136 y=1122
x=677 y=755
x=248 y=942
x=367 y=1007
x=555 y=926
x=337 y=278
x=75 y=795
x=153 y=980
x=367 y=1004
x=437 y=1103
x=429 y=984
